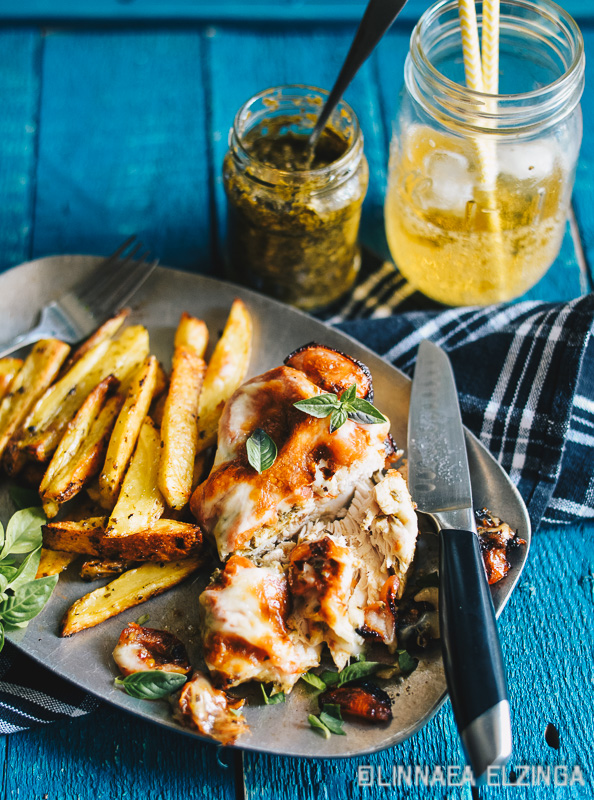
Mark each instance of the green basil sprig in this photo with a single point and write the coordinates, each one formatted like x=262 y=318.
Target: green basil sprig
x=153 y=684
x=339 y=409
x=362 y=669
x=261 y=450
x=272 y=699
x=329 y=721
x=22 y=596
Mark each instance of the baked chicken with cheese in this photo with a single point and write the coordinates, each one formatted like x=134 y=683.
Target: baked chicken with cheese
x=315 y=471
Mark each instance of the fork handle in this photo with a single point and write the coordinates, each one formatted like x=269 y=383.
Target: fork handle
x=40 y=331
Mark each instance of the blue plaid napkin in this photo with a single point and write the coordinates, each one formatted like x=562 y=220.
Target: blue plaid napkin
x=525 y=376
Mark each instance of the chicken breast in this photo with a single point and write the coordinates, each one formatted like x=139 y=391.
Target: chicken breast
x=315 y=471
x=210 y=711
x=245 y=636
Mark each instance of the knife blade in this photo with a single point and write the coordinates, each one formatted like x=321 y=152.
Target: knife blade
x=439 y=483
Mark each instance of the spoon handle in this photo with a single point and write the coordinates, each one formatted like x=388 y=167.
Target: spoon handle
x=378 y=17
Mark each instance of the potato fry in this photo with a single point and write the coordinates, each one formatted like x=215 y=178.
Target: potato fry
x=125 y=433
x=106 y=331
x=179 y=431
x=46 y=424
x=98 y=568
x=140 y=502
x=85 y=462
x=53 y=562
x=191 y=333
x=161 y=381
x=39 y=370
x=8 y=369
x=164 y=540
x=127 y=591
x=226 y=370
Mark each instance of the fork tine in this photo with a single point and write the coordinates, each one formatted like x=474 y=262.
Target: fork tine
x=127 y=285
x=92 y=291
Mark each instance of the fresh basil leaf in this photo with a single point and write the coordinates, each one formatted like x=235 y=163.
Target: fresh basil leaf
x=338 y=418
x=406 y=662
x=314 y=680
x=353 y=672
x=27 y=570
x=28 y=600
x=142 y=619
x=361 y=657
x=8 y=571
x=23 y=532
x=23 y=497
x=261 y=450
x=349 y=394
x=153 y=684
x=319 y=406
x=332 y=718
x=272 y=699
x=363 y=411
x=318 y=725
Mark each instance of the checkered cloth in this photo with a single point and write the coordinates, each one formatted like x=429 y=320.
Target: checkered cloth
x=525 y=376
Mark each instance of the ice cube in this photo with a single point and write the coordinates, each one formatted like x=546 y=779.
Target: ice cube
x=527 y=160
x=449 y=185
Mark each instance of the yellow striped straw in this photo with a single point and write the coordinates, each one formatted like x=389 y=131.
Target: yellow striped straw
x=470 y=45
x=490 y=46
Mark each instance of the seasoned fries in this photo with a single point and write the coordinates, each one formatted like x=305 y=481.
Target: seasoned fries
x=98 y=568
x=179 y=432
x=106 y=331
x=140 y=502
x=127 y=591
x=126 y=430
x=226 y=370
x=164 y=540
x=192 y=333
x=40 y=368
x=53 y=562
x=8 y=369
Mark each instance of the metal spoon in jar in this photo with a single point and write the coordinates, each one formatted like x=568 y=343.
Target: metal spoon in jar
x=378 y=17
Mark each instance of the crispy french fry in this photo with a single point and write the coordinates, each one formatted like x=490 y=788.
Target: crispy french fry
x=106 y=331
x=85 y=462
x=126 y=430
x=140 y=502
x=127 y=591
x=48 y=420
x=226 y=370
x=39 y=370
x=98 y=568
x=191 y=333
x=164 y=540
x=53 y=562
x=8 y=369
x=179 y=430
x=161 y=381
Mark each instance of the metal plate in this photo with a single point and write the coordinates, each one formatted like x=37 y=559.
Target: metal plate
x=85 y=659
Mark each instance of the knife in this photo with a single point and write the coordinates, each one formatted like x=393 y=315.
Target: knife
x=439 y=483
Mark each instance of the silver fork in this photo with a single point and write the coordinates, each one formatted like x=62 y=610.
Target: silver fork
x=76 y=314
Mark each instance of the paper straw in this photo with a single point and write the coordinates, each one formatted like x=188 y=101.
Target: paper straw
x=490 y=46
x=470 y=45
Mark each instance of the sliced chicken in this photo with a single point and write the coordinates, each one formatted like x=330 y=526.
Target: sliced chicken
x=210 y=711
x=245 y=635
x=315 y=471
x=140 y=649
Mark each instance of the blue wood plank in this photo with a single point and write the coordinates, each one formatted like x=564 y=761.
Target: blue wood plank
x=111 y=756
x=548 y=650
x=19 y=90
x=252 y=10
x=123 y=146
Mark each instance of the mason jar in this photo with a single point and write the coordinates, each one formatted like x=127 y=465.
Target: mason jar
x=293 y=219
x=480 y=185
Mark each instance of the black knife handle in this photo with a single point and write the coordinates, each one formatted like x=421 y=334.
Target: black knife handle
x=472 y=656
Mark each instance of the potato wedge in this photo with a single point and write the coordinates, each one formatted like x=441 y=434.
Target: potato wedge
x=104 y=332
x=97 y=569
x=8 y=369
x=225 y=372
x=53 y=562
x=127 y=591
x=46 y=424
x=164 y=540
x=161 y=381
x=125 y=433
x=140 y=502
x=39 y=370
x=192 y=333
x=179 y=431
x=85 y=462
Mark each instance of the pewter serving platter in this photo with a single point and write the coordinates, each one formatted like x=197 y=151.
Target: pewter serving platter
x=85 y=658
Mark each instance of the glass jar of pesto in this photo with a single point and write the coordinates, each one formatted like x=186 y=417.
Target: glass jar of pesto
x=293 y=219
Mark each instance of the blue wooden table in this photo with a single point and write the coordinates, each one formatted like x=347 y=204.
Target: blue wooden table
x=113 y=120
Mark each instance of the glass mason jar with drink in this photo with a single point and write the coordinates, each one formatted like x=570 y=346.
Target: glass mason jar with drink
x=480 y=184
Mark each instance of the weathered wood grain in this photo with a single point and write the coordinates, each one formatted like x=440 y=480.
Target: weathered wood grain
x=123 y=146
x=19 y=93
